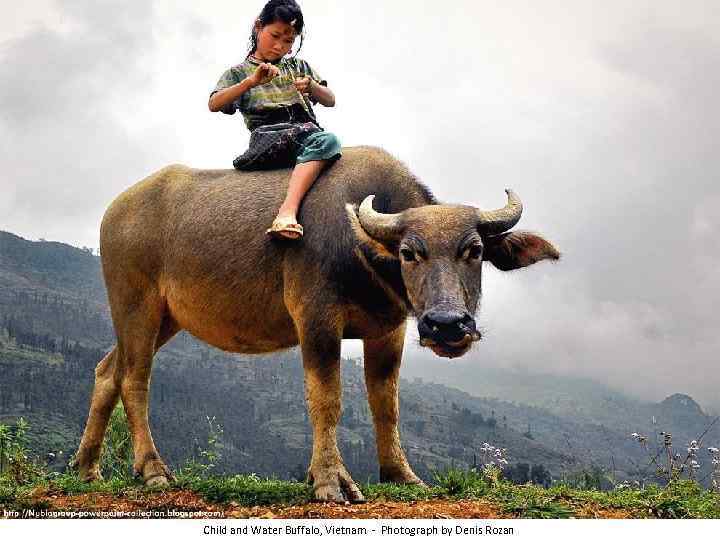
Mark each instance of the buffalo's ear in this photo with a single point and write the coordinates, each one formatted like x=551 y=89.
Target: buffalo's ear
x=516 y=249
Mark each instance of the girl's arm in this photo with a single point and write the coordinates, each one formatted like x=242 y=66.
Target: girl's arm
x=263 y=74
x=322 y=94
x=226 y=96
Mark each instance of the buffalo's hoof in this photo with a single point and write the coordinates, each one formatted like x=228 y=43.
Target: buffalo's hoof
x=409 y=482
x=86 y=473
x=419 y=483
x=91 y=476
x=400 y=476
x=157 y=482
x=155 y=474
x=335 y=485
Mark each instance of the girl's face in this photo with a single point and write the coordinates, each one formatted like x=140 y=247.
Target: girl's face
x=274 y=40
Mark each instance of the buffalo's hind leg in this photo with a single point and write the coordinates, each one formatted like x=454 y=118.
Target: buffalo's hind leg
x=104 y=397
x=145 y=331
x=141 y=330
x=382 y=369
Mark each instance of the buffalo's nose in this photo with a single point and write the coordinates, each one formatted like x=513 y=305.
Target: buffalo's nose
x=446 y=325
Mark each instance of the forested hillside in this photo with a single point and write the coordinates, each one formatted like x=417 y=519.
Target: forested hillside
x=55 y=327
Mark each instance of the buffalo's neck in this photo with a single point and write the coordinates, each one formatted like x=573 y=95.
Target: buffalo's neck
x=372 y=285
x=385 y=272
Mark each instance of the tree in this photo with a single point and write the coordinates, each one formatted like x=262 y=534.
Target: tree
x=540 y=475
x=520 y=473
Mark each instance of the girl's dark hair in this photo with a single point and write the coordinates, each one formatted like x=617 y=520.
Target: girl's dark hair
x=285 y=11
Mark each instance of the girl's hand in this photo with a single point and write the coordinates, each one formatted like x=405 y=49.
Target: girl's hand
x=264 y=74
x=303 y=85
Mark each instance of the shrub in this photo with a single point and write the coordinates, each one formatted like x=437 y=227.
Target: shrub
x=15 y=464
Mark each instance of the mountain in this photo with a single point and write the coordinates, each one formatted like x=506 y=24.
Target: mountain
x=49 y=267
x=55 y=327
x=573 y=398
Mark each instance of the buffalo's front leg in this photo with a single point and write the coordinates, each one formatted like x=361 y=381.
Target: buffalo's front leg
x=382 y=369
x=321 y=361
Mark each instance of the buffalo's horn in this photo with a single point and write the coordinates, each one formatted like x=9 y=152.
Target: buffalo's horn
x=498 y=221
x=383 y=227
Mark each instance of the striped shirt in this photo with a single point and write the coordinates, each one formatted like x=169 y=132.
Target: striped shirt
x=258 y=104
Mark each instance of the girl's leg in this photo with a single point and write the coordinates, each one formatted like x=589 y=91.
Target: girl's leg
x=303 y=176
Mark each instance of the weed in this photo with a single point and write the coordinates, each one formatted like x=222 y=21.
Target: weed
x=672 y=466
x=116 y=460
x=468 y=484
x=715 y=474
x=207 y=458
x=15 y=463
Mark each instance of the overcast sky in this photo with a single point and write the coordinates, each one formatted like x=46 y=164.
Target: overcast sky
x=603 y=116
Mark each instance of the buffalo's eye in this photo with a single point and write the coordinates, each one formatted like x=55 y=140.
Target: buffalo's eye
x=474 y=251
x=408 y=254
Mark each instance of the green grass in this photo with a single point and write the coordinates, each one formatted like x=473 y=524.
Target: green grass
x=23 y=477
x=683 y=499
x=464 y=484
x=529 y=502
x=400 y=493
x=248 y=490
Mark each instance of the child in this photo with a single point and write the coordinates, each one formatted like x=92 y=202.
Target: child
x=269 y=88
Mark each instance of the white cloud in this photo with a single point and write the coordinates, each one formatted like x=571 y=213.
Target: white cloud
x=603 y=117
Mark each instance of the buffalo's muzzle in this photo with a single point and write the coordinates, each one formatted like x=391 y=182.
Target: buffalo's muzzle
x=447 y=332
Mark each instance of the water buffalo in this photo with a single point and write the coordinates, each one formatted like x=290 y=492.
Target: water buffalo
x=187 y=249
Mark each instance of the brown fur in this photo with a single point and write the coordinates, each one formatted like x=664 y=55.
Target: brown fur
x=187 y=249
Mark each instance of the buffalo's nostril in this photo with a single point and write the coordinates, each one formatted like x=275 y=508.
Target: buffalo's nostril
x=468 y=324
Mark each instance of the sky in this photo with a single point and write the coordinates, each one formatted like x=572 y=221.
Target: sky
x=603 y=117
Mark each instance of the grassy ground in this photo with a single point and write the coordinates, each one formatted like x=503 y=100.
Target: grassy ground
x=25 y=484
x=682 y=499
